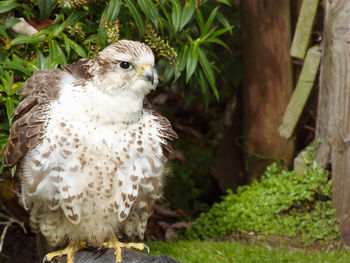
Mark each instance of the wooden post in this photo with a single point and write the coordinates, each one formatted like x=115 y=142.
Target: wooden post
x=304 y=26
x=301 y=92
x=267 y=84
x=333 y=120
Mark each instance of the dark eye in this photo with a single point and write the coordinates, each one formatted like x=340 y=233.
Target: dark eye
x=125 y=65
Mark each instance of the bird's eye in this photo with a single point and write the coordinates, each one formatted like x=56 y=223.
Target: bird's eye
x=125 y=65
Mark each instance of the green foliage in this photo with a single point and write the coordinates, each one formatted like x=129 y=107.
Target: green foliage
x=281 y=203
x=189 y=183
x=181 y=34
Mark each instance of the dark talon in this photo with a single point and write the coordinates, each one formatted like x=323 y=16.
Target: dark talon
x=100 y=251
x=91 y=246
x=148 y=249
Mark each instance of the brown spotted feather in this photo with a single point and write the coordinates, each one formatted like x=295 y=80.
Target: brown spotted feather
x=30 y=116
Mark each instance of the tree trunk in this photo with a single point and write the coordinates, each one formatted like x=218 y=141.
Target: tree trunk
x=268 y=83
x=333 y=120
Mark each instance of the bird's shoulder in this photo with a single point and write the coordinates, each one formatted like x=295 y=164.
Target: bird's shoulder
x=82 y=69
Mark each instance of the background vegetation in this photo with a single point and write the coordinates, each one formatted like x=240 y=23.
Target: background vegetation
x=281 y=204
x=197 y=44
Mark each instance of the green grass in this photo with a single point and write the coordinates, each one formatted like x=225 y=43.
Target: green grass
x=231 y=252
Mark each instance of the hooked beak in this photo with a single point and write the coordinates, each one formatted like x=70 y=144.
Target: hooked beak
x=146 y=72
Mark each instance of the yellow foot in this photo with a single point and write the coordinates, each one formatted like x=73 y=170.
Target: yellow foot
x=69 y=251
x=117 y=246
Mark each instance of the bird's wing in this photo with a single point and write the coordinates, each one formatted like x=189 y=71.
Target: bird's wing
x=166 y=131
x=80 y=69
x=30 y=116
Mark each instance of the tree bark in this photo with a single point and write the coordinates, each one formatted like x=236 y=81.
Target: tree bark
x=333 y=120
x=268 y=82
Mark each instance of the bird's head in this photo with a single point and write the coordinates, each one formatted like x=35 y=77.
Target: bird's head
x=126 y=66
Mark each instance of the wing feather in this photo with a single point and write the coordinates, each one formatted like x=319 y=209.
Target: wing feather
x=80 y=69
x=166 y=131
x=30 y=116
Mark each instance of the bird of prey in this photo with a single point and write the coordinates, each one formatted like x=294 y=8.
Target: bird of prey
x=89 y=151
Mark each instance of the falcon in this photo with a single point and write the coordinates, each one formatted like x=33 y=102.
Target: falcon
x=90 y=152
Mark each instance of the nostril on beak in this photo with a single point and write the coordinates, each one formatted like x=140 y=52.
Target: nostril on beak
x=148 y=75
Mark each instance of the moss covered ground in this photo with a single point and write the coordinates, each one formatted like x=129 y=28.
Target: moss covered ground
x=281 y=203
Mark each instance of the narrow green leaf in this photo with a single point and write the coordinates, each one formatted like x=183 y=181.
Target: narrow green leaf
x=226 y=2
x=3 y=32
x=217 y=41
x=66 y=43
x=4 y=126
x=53 y=53
x=28 y=64
x=20 y=39
x=204 y=37
x=176 y=14
x=192 y=60
x=181 y=62
x=7 y=5
x=10 y=106
x=209 y=21
x=3 y=138
x=78 y=49
x=208 y=71
x=200 y=20
x=62 y=55
x=219 y=32
x=140 y=23
x=101 y=29
x=45 y=8
x=150 y=10
x=168 y=73
x=59 y=27
x=91 y=39
x=16 y=66
x=13 y=170
x=146 y=9
x=154 y=13
x=187 y=13
x=113 y=9
x=41 y=62
x=7 y=81
x=165 y=11
x=224 y=21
